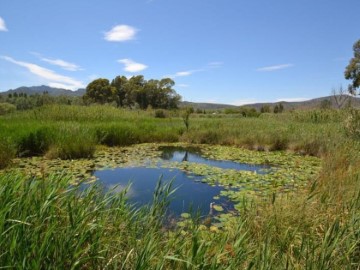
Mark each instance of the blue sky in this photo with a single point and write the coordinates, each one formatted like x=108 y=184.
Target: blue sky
x=223 y=51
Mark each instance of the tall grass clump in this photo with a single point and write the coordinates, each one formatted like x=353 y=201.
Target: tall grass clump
x=7 y=152
x=72 y=142
x=35 y=143
x=48 y=224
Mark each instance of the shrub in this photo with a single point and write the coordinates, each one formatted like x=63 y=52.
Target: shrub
x=160 y=114
x=6 y=108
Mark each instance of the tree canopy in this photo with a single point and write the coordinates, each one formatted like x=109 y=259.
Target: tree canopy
x=135 y=91
x=352 y=71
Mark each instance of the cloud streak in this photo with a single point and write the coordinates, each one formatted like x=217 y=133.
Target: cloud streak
x=121 y=33
x=54 y=79
x=186 y=73
x=132 y=66
x=61 y=63
x=3 y=25
x=274 y=68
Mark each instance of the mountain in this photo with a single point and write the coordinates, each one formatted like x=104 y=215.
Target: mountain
x=43 y=88
x=206 y=106
x=310 y=104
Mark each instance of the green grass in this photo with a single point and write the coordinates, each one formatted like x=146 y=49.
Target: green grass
x=46 y=224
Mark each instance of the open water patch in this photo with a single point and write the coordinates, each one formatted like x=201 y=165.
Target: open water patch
x=190 y=195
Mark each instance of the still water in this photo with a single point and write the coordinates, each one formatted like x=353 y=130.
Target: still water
x=191 y=193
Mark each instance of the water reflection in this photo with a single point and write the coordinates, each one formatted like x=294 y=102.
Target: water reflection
x=190 y=193
x=193 y=155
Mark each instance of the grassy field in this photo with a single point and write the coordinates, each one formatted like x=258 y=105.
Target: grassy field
x=45 y=224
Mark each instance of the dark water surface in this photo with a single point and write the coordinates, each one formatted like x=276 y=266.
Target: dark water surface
x=191 y=193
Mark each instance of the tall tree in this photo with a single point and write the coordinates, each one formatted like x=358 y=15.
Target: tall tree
x=100 y=91
x=352 y=71
x=120 y=84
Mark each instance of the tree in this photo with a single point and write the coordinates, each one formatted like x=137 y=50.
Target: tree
x=100 y=91
x=120 y=84
x=352 y=71
x=340 y=97
x=265 y=109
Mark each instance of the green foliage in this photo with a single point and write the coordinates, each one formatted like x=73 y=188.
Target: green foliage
x=352 y=71
x=133 y=92
x=7 y=152
x=265 y=109
x=99 y=91
x=6 y=108
x=35 y=142
x=352 y=123
x=186 y=116
x=160 y=114
x=279 y=108
x=72 y=142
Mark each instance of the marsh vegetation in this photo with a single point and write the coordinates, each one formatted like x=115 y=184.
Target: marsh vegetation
x=302 y=214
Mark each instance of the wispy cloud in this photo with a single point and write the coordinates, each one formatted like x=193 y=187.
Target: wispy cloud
x=132 y=66
x=2 y=25
x=274 y=68
x=63 y=64
x=53 y=78
x=215 y=64
x=185 y=73
x=120 y=33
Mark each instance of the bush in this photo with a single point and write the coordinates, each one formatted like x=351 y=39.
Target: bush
x=160 y=114
x=6 y=108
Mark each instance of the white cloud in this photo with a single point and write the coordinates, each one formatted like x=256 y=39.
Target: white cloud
x=2 y=25
x=276 y=67
x=291 y=99
x=52 y=77
x=185 y=73
x=121 y=33
x=61 y=63
x=132 y=66
x=215 y=64
x=240 y=102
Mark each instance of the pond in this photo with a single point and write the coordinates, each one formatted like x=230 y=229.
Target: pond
x=190 y=194
x=191 y=191
x=228 y=176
